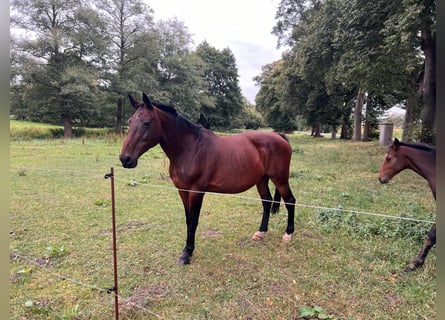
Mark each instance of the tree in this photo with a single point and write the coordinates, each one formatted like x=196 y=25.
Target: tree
x=369 y=47
x=220 y=76
x=289 y=14
x=249 y=118
x=129 y=26
x=58 y=78
x=314 y=59
x=428 y=46
x=268 y=98
x=281 y=96
x=179 y=70
x=362 y=62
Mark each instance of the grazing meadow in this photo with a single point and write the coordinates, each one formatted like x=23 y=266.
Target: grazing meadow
x=345 y=261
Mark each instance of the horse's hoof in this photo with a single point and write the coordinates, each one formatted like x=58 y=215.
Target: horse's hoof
x=182 y=262
x=183 y=259
x=287 y=238
x=258 y=236
x=411 y=267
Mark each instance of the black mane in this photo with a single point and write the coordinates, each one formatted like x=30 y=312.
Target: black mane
x=180 y=119
x=166 y=108
x=419 y=146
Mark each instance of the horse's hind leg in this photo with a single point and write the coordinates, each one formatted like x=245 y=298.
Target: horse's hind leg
x=276 y=202
x=266 y=199
x=289 y=201
x=430 y=241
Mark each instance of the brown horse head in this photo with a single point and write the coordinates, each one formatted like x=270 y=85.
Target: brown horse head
x=391 y=165
x=144 y=132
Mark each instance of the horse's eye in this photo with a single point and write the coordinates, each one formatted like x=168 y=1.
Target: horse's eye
x=146 y=124
x=388 y=158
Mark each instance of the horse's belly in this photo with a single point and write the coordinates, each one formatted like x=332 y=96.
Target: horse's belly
x=237 y=170
x=234 y=181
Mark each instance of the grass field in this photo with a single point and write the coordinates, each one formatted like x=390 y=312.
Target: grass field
x=349 y=265
x=25 y=130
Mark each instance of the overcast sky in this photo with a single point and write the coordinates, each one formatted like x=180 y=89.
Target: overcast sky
x=242 y=25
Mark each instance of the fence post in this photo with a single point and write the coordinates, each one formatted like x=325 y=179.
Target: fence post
x=113 y=218
x=386 y=130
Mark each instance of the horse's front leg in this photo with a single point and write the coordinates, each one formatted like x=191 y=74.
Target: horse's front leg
x=192 y=206
x=430 y=241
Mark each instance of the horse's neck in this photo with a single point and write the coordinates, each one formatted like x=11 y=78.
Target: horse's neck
x=424 y=165
x=176 y=137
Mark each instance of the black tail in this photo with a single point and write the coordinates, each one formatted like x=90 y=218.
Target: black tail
x=277 y=196
x=276 y=203
x=282 y=135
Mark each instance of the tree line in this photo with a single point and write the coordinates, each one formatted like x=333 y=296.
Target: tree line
x=75 y=61
x=347 y=62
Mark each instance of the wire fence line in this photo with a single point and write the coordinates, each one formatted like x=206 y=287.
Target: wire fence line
x=358 y=212
x=17 y=255
x=80 y=283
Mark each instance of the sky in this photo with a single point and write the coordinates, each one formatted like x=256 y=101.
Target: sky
x=244 y=26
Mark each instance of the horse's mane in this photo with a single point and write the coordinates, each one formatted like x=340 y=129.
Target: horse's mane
x=180 y=119
x=419 y=146
x=166 y=108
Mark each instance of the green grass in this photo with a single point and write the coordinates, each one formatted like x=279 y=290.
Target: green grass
x=60 y=212
x=26 y=130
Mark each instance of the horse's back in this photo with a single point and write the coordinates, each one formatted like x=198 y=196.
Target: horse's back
x=270 y=141
x=241 y=160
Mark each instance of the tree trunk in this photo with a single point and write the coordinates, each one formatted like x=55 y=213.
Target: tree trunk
x=316 y=129
x=367 y=126
x=358 y=116
x=346 y=133
x=412 y=110
x=333 y=132
x=408 y=124
x=119 y=115
x=67 y=126
x=428 y=113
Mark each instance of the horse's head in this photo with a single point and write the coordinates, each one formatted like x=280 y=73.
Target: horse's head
x=392 y=163
x=144 y=132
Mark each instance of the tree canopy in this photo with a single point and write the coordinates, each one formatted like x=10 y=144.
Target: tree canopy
x=75 y=62
x=345 y=63
x=358 y=56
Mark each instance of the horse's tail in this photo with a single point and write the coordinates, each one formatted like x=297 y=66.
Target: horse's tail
x=276 y=202
x=282 y=135
x=277 y=196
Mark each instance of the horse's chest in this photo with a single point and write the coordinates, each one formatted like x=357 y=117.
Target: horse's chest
x=185 y=177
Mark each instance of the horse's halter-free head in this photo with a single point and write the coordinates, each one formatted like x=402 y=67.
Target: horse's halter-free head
x=144 y=132
x=390 y=165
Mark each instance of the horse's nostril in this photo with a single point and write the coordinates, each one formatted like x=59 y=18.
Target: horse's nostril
x=124 y=160
x=128 y=162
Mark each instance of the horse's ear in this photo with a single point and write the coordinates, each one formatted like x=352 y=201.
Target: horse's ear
x=396 y=143
x=147 y=101
x=133 y=102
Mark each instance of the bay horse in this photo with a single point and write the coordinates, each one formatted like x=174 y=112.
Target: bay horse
x=202 y=161
x=421 y=159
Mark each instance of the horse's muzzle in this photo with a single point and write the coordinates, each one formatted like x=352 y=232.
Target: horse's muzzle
x=383 y=180
x=128 y=162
